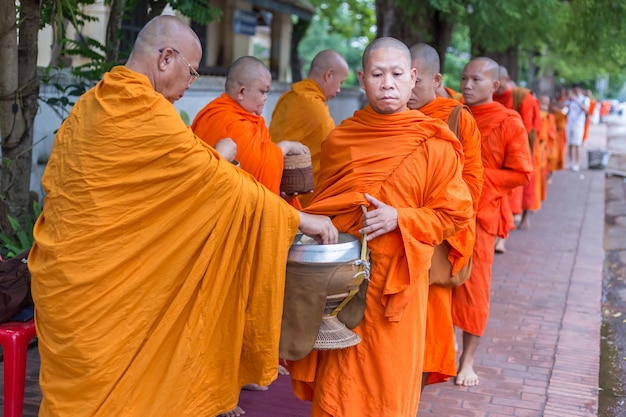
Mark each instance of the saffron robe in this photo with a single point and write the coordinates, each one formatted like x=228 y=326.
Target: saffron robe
x=507 y=164
x=557 y=161
x=454 y=94
x=158 y=267
x=547 y=140
x=301 y=114
x=413 y=163
x=257 y=154
x=592 y=108
x=440 y=355
x=522 y=198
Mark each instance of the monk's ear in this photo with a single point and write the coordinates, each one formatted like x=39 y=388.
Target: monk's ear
x=360 y=75
x=328 y=74
x=166 y=57
x=413 y=76
x=496 y=85
x=437 y=81
x=241 y=92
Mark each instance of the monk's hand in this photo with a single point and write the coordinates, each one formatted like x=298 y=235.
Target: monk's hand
x=293 y=148
x=227 y=148
x=381 y=220
x=319 y=228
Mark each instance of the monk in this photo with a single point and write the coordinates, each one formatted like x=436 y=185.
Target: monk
x=548 y=142
x=507 y=164
x=301 y=114
x=556 y=160
x=407 y=169
x=237 y=114
x=592 y=109
x=522 y=101
x=440 y=353
x=155 y=261
x=447 y=92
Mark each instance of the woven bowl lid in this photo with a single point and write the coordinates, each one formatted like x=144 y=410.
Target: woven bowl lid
x=297 y=161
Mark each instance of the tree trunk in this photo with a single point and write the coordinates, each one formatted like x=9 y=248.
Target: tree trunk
x=19 y=91
x=297 y=33
x=419 y=24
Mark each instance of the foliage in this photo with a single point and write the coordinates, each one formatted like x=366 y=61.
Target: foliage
x=22 y=237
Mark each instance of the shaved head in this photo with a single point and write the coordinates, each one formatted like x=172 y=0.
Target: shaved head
x=425 y=58
x=385 y=43
x=490 y=68
x=243 y=72
x=504 y=73
x=161 y=32
x=325 y=60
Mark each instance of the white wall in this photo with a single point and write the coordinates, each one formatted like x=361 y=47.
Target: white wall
x=201 y=92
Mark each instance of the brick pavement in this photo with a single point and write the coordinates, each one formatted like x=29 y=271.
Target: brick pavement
x=540 y=354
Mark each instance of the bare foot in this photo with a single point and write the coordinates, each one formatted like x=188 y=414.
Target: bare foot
x=254 y=387
x=466 y=375
x=236 y=412
x=500 y=248
x=525 y=223
x=282 y=370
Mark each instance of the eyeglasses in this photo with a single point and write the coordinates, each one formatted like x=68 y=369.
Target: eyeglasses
x=193 y=74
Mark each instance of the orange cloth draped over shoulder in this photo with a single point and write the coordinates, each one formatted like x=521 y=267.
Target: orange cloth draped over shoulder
x=454 y=94
x=257 y=154
x=158 y=267
x=592 y=108
x=440 y=355
x=507 y=164
x=413 y=163
x=301 y=114
x=522 y=198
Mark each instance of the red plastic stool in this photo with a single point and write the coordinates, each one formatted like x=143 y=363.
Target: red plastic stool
x=14 y=338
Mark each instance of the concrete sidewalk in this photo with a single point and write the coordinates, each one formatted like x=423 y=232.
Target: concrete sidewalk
x=540 y=355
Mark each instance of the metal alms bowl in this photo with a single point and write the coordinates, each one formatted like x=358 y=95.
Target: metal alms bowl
x=305 y=249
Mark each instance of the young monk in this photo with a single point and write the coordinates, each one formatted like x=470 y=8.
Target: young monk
x=407 y=169
x=301 y=114
x=237 y=114
x=506 y=162
x=440 y=354
x=143 y=306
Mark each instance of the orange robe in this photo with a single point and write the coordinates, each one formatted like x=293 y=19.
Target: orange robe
x=158 y=267
x=547 y=140
x=225 y=118
x=301 y=114
x=413 y=163
x=440 y=355
x=592 y=108
x=556 y=160
x=507 y=164
x=453 y=94
x=522 y=198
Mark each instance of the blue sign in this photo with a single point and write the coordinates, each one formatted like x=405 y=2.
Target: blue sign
x=244 y=22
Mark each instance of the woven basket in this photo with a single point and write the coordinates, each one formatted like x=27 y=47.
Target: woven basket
x=297 y=174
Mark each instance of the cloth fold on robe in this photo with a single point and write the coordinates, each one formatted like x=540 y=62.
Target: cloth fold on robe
x=257 y=154
x=301 y=114
x=413 y=163
x=158 y=267
x=440 y=355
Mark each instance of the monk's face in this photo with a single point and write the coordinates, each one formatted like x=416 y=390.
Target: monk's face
x=388 y=80
x=425 y=87
x=253 y=96
x=544 y=103
x=179 y=71
x=477 y=85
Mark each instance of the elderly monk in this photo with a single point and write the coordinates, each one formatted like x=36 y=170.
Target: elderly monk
x=301 y=114
x=506 y=161
x=522 y=199
x=440 y=355
x=155 y=264
x=237 y=114
x=407 y=169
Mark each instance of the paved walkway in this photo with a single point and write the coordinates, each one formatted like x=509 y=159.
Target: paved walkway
x=540 y=354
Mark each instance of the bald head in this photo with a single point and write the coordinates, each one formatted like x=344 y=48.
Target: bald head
x=490 y=68
x=165 y=31
x=168 y=52
x=505 y=80
x=385 y=43
x=425 y=58
x=328 y=70
x=243 y=72
x=480 y=81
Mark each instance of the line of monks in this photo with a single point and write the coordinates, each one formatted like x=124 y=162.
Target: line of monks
x=510 y=142
x=158 y=265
